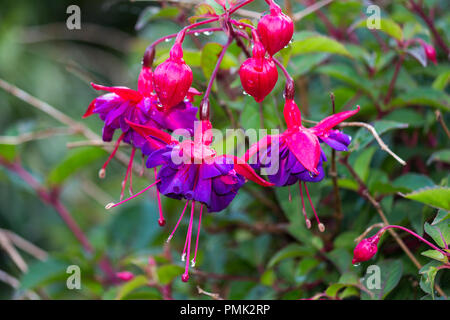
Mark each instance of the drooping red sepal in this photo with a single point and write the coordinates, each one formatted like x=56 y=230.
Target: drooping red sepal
x=123 y=92
x=329 y=122
x=306 y=148
x=245 y=170
x=150 y=132
x=90 y=109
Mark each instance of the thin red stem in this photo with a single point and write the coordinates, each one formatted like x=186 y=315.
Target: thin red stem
x=198 y=236
x=381 y=231
x=113 y=153
x=113 y=205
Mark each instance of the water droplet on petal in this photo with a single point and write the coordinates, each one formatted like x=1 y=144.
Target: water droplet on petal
x=168 y=40
x=196 y=34
x=357 y=264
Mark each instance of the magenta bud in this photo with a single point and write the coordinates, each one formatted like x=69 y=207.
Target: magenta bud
x=365 y=249
x=275 y=30
x=172 y=79
x=430 y=52
x=125 y=275
x=258 y=74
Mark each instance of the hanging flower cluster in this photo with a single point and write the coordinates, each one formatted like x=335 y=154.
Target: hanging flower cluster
x=191 y=170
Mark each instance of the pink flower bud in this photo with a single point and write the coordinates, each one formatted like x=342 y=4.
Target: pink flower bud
x=365 y=249
x=258 y=74
x=125 y=275
x=430 y=52
x=173 y=78
x=275 y=29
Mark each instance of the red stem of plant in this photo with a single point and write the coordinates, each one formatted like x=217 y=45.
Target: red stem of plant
x=387 y=99
x=380 y=232
x=204 y=111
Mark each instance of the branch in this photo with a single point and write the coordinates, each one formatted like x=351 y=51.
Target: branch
x=25 y=245
x=372 y=130
x=64 y=119
x=30 y=136
x=442 y=122
x=215 y=296
x=311 y=9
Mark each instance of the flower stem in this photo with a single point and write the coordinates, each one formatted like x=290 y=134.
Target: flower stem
x=387 y=99
x=382 y=230
x=205 y=106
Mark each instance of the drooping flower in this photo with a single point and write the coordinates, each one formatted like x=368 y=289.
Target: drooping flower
x=125 y=275
x=173 y=78
x=365 y=249
x=295 y=155
x=193 y=171
x=258 y=74
x=122 y=104
x=275 y=29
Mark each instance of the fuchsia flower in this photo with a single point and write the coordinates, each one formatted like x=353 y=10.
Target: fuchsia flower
x=300 y=156
x=258 y=74
x=193 y=171
x=275 y=29
x=173 y=78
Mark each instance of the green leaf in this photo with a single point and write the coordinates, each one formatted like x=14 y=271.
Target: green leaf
x=131 y=285
x=441 y=82
x=319 y=44
x=441 y=216
x=424 y=97
x=363 y=137
x=436 y=255
x=390 y=273
x=438 y=197
x=43 y=272
x=346 y=74
x=8 y=151
x=441 y=156
x=362 y=163
x=152 y=13
x=74 y=161
x=333 y=290
x=192 y=58
x=412 y=181
x=169 y=272
x=428 y=273
x=291 y=251
x=387 y=26
x=210 y=55
x=268 y=278
x=439 y=232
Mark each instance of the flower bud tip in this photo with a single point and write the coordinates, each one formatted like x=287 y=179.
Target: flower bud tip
x=308 y=223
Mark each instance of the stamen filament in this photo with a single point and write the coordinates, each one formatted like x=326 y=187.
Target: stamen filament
x=161 y=220
x=102 y=171
x=130 y=165
x=198 y=236
x=112 y=204
x=307 y=221
x=185 y=276
x=321 y=226
x=179 y=220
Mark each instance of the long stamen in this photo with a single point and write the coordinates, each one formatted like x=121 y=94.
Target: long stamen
x=102 y=172
x=321 y=225
x=179 y=220
x=198 y=236
x=307 y=221
x=130 y=165
x=185 y=276
x=161 y=220
x=112 y=204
